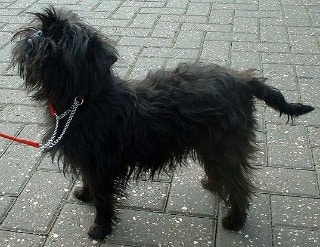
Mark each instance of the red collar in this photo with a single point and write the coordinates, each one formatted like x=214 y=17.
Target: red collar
x=53 y=111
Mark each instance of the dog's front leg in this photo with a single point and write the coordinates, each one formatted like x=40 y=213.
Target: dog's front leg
x=105 y=214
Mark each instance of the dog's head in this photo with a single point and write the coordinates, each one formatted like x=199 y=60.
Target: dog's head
x=60 y=57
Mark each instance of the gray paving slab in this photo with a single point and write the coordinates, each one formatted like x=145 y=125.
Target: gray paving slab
x=257 y=231
x=287 y=181
x=36 y=208
x=17 y=239
x=295 y=212
x=280 y=38
x=155 y=229
x=287 y=237
x=188 y=197
x=17 y=165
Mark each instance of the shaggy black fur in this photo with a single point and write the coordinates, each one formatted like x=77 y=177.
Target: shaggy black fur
x=125 y=128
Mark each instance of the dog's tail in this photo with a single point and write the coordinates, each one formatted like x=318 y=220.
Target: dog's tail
x=272 y=96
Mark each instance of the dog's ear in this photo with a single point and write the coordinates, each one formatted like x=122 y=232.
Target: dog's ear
x=101 y=52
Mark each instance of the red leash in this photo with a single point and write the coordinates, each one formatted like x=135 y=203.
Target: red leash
x=53 y=140
x=20 y=140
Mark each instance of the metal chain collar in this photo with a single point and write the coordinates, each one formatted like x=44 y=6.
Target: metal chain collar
x=71 y=111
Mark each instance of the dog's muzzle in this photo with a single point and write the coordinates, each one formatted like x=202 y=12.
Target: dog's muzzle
x=33 y=41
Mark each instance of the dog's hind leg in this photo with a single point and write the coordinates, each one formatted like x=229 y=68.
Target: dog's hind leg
x=228 y=174
x=83 y=193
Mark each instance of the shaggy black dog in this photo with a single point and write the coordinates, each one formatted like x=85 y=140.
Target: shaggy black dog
x=107 y=130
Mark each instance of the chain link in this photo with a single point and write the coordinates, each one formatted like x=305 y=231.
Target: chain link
x=71 y=111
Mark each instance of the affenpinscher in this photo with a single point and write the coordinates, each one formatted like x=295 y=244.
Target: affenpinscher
x=108 y=130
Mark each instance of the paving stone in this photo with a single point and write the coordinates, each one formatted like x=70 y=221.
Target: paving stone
x=286 y=181
x=310 y=31
x=109 y=7
x=146 y=42
x=215 y=50
x=10 y=129
x=288 y=147
x=125 y=31
x=128 y=55
x=257 y=230
x=259 y=47
x=300 y=60
x=295 y=212
x=4 y=71
x=21 y=113
x=280 y=76
x=189 y=39
x=188 y=19
x=311 y=119
x=177 y=3
x=144 y=65
x=155 y=229
x=17 y=164
x=165 y=30
x=309 y=92
x=228 y=36
x=260 y=158
x=71 y=227
x=315 y=18
x=287 y=22
x=144 y=20
x=13 y=82
x=198 y=8
x=124 y=12
x=273 y=34
x=302 y=45
x=49 y=165
x=173 y=62
x=244 y=60
x=5 y=205
x=308 y=71
x=269 y=5
x=8 y=239
x=163 y=11
x=316 y=157
x=170 y=53
x=245 y=25
x=286 y=237
x=37 y=206
x=221 y=16
x=147 y=195
x=32 y=132
x=187 y=195
x=13 y=96
x=298 y=12
x=142 y=3
x=314 y=136
x=206 y=27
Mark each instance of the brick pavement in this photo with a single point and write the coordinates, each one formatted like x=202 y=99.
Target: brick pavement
x=279 y=37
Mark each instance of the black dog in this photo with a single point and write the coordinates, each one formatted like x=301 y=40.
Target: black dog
x=108 y=130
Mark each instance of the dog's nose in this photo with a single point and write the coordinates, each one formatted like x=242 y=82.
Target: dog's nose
x=35 y=37
x=33 y=41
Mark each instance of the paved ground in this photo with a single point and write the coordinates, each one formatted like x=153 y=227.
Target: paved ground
x=278 y=37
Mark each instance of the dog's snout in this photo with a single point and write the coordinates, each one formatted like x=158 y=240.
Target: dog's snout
x=33 y=41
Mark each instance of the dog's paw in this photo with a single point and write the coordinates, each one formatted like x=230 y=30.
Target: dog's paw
x=82 y=195
x=234 y=223
x=99 y=232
